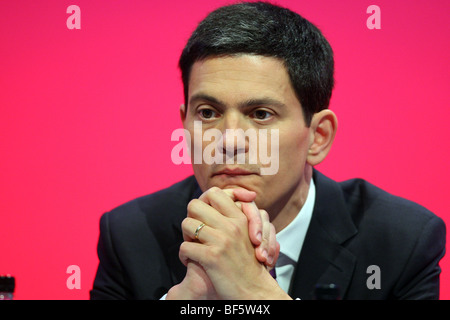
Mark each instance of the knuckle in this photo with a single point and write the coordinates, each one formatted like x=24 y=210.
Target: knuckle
x=213 y=254
x=264 y=215
x=226 y=243
x=213 y=190
x=235 y=230
x=193 y=206
x=217 y=192
x=258 y=222
x=185 y=223
x=183 y=249
x=273 y=231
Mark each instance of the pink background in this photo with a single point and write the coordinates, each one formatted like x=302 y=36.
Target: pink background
x=86 y=117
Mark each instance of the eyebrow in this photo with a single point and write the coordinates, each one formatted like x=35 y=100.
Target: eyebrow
x=264 y=101
x=205 y=97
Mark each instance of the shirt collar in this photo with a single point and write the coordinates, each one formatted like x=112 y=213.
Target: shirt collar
x=291 y=238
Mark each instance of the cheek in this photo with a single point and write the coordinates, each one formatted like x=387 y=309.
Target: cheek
x=293 y=147
x=201 y=171
x=293 y=151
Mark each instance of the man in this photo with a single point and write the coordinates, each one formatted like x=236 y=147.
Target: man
x=250 y=67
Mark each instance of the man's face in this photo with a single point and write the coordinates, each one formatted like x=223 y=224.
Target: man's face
x=248 y=92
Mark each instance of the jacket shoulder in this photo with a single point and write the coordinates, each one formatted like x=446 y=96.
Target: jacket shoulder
x=363 y=197
x=161 y=204
x=138 y=243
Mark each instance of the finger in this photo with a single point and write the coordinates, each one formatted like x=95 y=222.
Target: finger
x=240 y=194
x=255 y=223
x=269 y=250
x=221 y=201
x=191 y=251
x=205 y=213
x=274 y=248
x=237 y=195
x=265 y=233
x=189 y=227
x=244 y=195
x=230 y=193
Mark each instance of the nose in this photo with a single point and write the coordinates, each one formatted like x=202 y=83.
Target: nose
x=234 y=142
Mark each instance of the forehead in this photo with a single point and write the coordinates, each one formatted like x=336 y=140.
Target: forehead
x=236 y=78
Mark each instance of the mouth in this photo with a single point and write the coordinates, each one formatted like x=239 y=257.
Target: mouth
x=233 y=172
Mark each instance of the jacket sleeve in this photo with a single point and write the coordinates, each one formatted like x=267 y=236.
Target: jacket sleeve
x=108 y=282
x=420 y=277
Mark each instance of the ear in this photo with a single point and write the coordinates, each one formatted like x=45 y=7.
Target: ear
x=323 y=130
x=182 y=112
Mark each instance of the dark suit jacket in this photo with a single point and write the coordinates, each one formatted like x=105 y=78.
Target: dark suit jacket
x=354 y=225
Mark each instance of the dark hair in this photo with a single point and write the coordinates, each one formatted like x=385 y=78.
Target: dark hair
x=265 y=29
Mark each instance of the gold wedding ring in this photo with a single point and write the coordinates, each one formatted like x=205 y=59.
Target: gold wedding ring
x=198 y=230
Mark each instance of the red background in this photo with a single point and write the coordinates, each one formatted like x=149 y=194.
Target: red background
x=87 y=115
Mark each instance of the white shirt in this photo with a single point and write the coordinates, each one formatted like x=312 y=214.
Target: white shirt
x=291 y=240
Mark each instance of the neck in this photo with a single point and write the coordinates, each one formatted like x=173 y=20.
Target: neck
x=285 y=210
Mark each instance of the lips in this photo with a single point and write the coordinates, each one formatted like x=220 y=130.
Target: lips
x=233 y=172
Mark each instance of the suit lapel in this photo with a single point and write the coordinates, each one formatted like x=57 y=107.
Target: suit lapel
x=323 y=259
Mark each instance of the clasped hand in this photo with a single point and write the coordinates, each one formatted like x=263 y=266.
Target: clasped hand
x=232 y=253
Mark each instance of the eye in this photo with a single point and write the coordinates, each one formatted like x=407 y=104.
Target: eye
x=207 y=113
x=261 y=114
